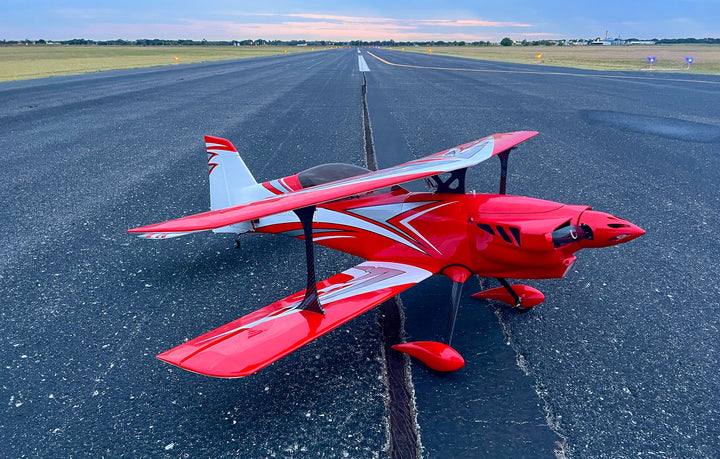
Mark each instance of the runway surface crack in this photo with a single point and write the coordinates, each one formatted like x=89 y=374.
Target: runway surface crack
x=403 y=435
x=552 y=418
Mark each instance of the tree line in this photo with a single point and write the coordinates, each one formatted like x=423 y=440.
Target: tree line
x=258 y=42
x=507 y=41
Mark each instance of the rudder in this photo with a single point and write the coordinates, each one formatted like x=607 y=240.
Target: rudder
x=231 y=182
x=228 y=173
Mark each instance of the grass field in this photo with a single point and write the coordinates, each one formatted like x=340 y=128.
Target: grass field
x=26 y=62
x=629 y=58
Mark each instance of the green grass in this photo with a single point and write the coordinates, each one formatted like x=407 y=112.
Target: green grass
x=26 y=62
x=627 y=58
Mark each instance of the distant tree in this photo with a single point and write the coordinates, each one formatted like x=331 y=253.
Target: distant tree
x=507 y=41
x=78 y=41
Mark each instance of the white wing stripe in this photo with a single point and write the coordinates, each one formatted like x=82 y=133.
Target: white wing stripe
x=366 y=277
x=406 y=222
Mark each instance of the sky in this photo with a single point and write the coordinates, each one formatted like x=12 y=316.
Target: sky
x=399 y=20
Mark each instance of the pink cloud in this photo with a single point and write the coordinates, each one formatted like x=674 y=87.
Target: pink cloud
x=539 y=34
x=311 y=26
x=333 y=17
x=346 y=30
x=470 y=23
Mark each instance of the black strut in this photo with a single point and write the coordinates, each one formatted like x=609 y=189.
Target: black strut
x=311 y=302
x=503 y=169
x=456 y=293
x=510 y=291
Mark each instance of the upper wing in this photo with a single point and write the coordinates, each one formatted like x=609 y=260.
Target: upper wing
x=250 y=343
x=460 y=157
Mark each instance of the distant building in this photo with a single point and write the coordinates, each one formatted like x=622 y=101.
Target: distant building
x=607 y=42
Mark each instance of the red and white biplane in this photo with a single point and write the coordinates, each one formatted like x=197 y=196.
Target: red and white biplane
x=405 y=238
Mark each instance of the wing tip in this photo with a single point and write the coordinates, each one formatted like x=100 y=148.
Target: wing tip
x=206 y=367
x=507 y=140
x=157 y=235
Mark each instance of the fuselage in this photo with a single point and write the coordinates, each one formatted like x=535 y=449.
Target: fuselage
x=487 y=234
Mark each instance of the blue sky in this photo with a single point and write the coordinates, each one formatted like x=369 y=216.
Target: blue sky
x=359 y=20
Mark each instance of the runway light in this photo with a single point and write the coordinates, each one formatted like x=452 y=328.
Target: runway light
x=429 y=50
x=539 y=56
x=689 y=61
x=652 y=60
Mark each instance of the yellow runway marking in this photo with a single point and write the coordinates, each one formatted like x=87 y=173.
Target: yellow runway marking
x=528 y=72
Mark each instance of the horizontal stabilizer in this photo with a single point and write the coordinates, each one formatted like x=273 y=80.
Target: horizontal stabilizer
x=256 y=340
x=460 y=157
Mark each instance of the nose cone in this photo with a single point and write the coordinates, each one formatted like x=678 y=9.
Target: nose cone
x=607 y=230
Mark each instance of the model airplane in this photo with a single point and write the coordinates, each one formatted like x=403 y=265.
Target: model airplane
x=405 y=238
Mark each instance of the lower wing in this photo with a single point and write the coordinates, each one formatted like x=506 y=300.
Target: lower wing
x=256 y=340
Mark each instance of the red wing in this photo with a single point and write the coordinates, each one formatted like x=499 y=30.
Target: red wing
x=456 y=158
x=256 y=340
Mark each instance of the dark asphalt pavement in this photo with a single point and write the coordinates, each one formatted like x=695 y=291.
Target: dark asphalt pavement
x=86 y=307
x=623 y=355
x=621 y=360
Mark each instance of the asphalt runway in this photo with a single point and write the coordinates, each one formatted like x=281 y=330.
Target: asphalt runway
x=623 y=354
x=621 y=360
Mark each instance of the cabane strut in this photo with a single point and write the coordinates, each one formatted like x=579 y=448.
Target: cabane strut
x=311 y=302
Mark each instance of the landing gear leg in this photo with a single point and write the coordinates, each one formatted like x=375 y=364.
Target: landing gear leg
x=452 y=317
x=510 y=291
x=521 y=297
x=439 y=356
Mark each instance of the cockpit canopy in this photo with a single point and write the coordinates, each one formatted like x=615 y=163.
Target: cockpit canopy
x=326 y=173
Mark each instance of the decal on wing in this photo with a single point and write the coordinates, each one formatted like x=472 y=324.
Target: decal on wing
x=256 y=340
